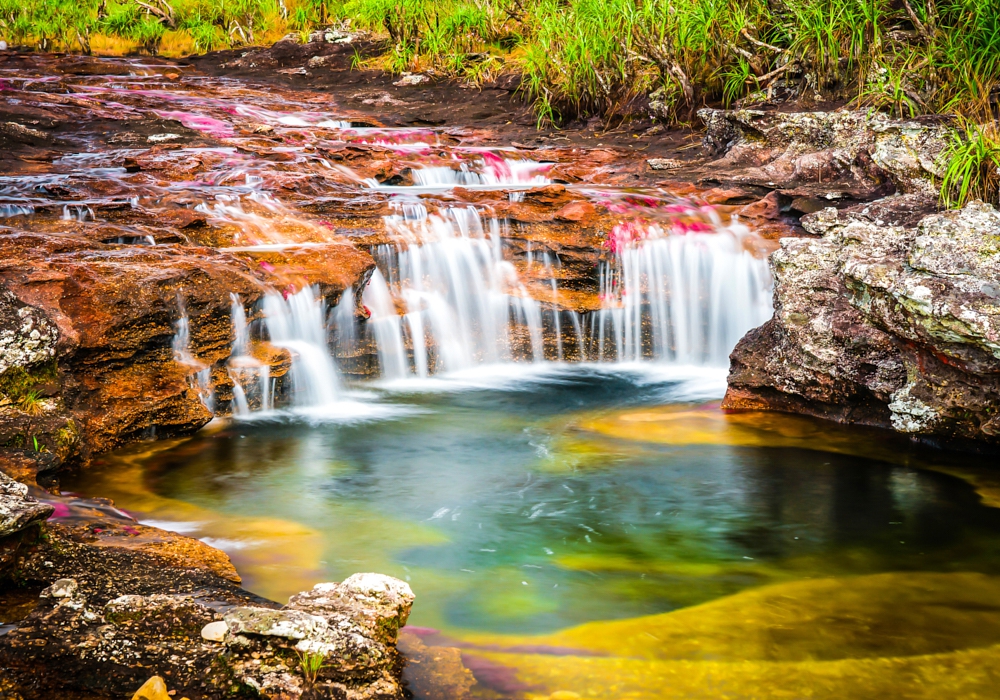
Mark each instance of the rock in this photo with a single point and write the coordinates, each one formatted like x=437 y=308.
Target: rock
x=215 y=631
x=381 y=604
x=153 y=689
x=63 y=588
x=17 y=509
x=289 y=624
x=27 y=336
x=664 y=163
x=125 y=613
x=884 y=325
x=411 y=79
x=825 y=154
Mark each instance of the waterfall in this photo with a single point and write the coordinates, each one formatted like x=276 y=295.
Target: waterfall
x=681 y=293
x=491 y=172
x=251 y=377
x=463 y=302
x=297 y=324
x=685 y=298
x=201 y=379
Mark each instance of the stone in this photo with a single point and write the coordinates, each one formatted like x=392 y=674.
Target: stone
x=836 y=154
x=664 y=163
x=380 y=604
x=63 y=588
x=17 y=509
x=153 y=689
x=289 y=624
x=884 y=325
x=27 y=336
x=215 y=631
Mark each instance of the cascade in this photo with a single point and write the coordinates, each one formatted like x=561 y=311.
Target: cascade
x=464 y=304
x=680 y=296
x=493 y=172
x=296 y=323
x=678 y=293
x=201 y=380
x=251 y=377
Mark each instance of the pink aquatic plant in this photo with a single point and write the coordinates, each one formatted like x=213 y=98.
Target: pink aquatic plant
x=199 y=122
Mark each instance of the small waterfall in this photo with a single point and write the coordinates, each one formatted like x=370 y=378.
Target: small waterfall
x=490 y=172
x=251 y=377
x=201 y=379
x=681 y=297
x=464 y=303
x=296 y=323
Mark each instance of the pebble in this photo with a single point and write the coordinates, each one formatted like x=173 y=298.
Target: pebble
x=214 y=631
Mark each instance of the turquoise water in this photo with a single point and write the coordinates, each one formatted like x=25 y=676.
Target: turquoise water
x=506 y=514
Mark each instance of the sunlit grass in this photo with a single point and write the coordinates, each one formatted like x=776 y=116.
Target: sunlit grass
x=594 y=57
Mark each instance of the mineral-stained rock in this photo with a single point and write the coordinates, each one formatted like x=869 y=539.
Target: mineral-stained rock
x=826 y=154
x=883 y=325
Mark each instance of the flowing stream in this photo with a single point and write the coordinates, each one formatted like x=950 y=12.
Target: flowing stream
x=514 y=407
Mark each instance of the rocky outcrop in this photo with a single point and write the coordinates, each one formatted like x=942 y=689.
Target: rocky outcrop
x=122 y=602
x=829 y=155
x=884 y=325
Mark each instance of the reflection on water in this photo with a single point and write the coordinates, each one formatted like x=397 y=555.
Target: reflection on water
x=536 y=506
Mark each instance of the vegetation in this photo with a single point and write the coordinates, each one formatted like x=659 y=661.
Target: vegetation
x=972 y=165
x=311 y=664
x=583 y=57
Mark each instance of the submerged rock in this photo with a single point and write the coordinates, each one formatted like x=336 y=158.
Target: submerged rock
x=883 y=325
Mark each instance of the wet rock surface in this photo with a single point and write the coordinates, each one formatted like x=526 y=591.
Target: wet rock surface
x=884 y=325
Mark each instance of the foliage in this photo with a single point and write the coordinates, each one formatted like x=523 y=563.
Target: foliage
x=972 y=168
x=311 y=664
x=584 y=57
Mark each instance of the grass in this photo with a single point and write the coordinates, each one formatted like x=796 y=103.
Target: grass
x=972 y=165
x=595 y=57
x=311 y=664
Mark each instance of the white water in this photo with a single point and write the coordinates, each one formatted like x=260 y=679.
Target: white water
x=201 y=379
x=464 y=304
x=490 y=174
x=251 y=377
x=297 y=324
x=683 y=299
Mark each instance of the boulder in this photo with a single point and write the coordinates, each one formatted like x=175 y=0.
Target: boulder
x=835 y=155
x=17 y=509
x=884 y=325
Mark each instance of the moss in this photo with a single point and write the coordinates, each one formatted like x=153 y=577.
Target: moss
x=18 y=384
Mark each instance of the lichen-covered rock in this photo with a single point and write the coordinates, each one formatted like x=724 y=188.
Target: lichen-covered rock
x=27 y=336
x=111 y=616
x=17 y=509
x=381 y=604
x=884 y=325
x=835 y=154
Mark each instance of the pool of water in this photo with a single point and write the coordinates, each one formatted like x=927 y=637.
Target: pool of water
x=524 y=502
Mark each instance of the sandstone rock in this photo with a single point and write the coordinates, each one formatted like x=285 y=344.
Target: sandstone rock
x=153 y=689
x=884 y=325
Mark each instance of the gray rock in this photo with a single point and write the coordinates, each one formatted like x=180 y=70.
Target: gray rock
x=289 y=624
x=27 y=336
x=885 y=325
x=831 y=154
x=17 y=509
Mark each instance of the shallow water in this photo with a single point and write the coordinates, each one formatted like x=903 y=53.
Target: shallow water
x=528 y=502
